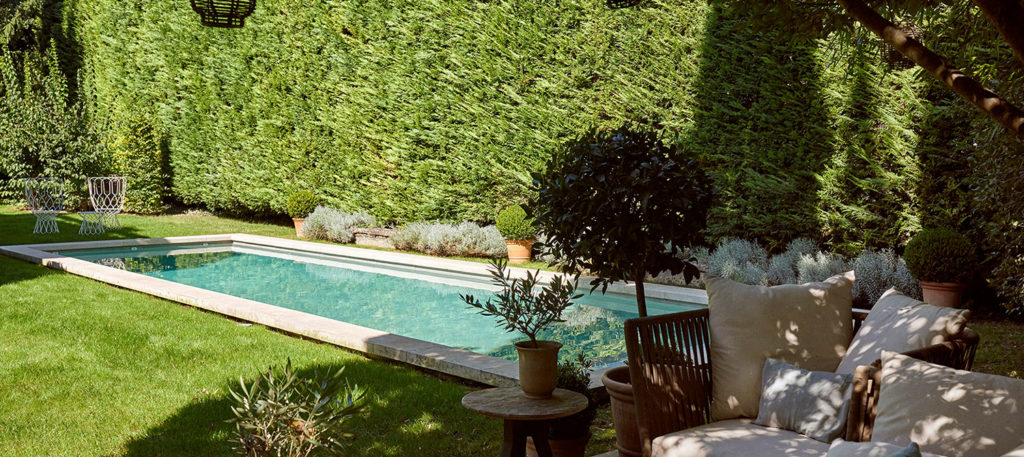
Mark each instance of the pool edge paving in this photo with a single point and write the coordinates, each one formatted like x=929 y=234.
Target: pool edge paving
x=456 y=362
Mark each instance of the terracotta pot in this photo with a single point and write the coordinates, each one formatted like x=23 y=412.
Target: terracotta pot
x=948 y=294
x=576 y=447
x=538 y=368
x=627 y=434
x=519 y=251
x=298 y=225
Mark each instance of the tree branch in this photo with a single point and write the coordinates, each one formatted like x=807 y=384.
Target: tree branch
x=1008 y=18
x=995 y=106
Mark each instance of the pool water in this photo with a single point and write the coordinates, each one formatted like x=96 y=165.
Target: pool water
x=408 y=301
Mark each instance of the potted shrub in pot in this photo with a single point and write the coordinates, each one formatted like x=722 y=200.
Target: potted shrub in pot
x=517 y=229
x=299 y=205
x=569 y=436
x=622 y=204
x=943 y=261
x=520 y=305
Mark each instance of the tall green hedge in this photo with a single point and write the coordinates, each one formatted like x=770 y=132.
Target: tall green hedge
x=439 y=109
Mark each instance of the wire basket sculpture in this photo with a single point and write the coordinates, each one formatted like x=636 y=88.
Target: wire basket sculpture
x=107 y=197
x=894 y=58
x=223 y=13
x=45 y=200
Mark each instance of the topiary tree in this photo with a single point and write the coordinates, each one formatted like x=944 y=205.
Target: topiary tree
x=301 y=203
x=940 y=255
x=514 y=224
x=622 y=204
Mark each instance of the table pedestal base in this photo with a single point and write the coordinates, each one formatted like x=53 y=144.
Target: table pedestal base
x=516 y=433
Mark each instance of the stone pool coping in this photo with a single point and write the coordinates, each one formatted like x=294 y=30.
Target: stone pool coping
x=424 y=354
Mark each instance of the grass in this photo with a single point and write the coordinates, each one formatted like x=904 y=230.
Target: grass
x=91 y=370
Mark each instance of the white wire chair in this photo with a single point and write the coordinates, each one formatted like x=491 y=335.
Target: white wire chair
x=107 y=196
x=45 y=199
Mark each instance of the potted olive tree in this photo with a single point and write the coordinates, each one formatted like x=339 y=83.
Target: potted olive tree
x=299 y=205
x=517 y=229
x=520 y=305
x=569 y=436
x=943 y=261
x=622 y=204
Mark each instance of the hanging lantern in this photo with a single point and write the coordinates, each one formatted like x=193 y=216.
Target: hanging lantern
x=223 y=13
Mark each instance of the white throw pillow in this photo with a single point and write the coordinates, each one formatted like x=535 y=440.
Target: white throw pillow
x=899 y=323
x=807 y=325
x=842 y=448
x=958 y=413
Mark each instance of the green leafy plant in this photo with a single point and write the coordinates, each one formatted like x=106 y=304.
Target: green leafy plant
x=621 y=205
x=281 y=414
x=575 y=376
x=514 y=224
x=301 y=203
x=523 y=304
x=940 y=255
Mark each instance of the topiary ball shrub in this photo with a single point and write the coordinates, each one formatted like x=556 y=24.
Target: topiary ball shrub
x=940 y=255
x=623 y=204
x=301 y=203
x=513 y=224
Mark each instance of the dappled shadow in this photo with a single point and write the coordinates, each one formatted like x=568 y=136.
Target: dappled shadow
x=13 y=270
x=955 y=413
x=408 y=413
x=737 y=437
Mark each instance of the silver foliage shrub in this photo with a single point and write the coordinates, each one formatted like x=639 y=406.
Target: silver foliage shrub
x=782 y=268
x=877 y=271
x=464 y=239
x=819 y=266
x=335 y=225
x=739 y=260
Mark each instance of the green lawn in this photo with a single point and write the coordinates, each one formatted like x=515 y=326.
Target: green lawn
x=88 y=369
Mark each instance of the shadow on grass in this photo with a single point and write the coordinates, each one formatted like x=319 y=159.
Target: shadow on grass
x=17 y=229
x=407 y=413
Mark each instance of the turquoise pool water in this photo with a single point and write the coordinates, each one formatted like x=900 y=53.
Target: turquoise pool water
x=408 y=301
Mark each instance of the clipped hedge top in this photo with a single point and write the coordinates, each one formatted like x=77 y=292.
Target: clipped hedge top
x=940 y=255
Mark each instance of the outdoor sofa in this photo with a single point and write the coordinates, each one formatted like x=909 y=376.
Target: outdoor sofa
x=671 y=374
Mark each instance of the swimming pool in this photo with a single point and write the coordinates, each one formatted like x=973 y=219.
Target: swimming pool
x=406 y=298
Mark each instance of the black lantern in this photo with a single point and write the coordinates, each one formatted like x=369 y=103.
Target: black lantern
x=223 y=13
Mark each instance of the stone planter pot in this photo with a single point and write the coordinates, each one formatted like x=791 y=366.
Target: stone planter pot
x=298 y=226
x=576 y=447
x=375 y=237
x=519 y=251
x=948 y=294
x=538 y=368
x=627 y=434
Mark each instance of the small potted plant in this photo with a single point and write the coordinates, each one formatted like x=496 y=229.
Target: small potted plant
x=943 y=261
x=569 y=436
x=299 y=205
x=520 y=305
x=517 y=229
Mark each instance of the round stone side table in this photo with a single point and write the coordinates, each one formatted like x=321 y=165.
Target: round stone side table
x=524 y=416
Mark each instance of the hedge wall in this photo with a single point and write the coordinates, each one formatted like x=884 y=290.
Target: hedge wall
x=439 y=109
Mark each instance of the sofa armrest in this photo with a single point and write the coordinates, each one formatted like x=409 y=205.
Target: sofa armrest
x=956 y=353
x=670 y=370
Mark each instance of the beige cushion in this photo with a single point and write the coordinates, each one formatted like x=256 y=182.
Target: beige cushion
x=842 y=448
x=955 y=412
x=1019 y=452
x=812 y=403
x=899 y=323
x=807 y=325
x=736 y=438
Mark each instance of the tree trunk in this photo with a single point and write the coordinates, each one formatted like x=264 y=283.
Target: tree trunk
x=1008 y=18
x=997 y=108
x=641 y=300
